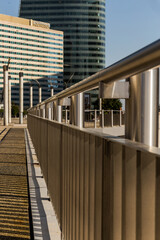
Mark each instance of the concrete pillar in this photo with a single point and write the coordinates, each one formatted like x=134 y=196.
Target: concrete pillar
x=40 y=94
x=21 y=97
x=5 y=82
x=142 y=108
x=9 y=100
x=31 y=96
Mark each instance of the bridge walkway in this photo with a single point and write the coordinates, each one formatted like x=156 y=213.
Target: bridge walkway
x=14 y=200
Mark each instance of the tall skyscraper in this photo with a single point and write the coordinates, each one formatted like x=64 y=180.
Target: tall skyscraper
x=35 y=49
x=83 y=23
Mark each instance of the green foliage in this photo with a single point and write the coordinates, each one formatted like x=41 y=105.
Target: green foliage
x=25 y=112
x=15 y=110
x=108 y=104
x=1 y=112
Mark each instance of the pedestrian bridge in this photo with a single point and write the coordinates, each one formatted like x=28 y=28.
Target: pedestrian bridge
x=101 y=186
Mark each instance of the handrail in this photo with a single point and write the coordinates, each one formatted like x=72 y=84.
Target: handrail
x=140 y=61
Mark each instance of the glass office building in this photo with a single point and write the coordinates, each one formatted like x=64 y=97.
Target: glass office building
x=34 y=49
x=83 y=23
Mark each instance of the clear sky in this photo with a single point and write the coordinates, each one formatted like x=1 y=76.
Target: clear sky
x=130 y=25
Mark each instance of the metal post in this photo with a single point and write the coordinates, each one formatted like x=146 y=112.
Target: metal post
x=95 y=118
x=31 y=96
x=142 y=108
x=59 y=113
x=111 y=118
x=5 y=81
x=40 y=94
x=52 y=91
x=43 y=112
x=21 y=97
x=102 y=118
x=52 y=111
x=120 y=118
x=66 y=120
x=100 y=104
x=9 y=99
x=77 y=110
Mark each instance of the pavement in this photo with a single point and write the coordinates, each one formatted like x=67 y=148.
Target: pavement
x=113 y=131
x=14 y=200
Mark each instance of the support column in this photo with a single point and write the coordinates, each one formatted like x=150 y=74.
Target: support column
x=9 y=100
x=40 y=94
x=31 y=96
x=21 y=97
x=142 y=108
x=5 y=82
x=77 y=110
x=57 y=111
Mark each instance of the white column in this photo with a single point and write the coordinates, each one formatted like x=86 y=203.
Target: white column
x=40 y=94
x=31 y=96
x=9 y=99
x=21 y=97
x=5 y=81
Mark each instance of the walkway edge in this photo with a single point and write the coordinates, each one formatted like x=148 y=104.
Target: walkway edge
x=45 y=224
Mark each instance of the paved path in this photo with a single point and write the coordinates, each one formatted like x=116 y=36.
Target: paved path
x=14 y=203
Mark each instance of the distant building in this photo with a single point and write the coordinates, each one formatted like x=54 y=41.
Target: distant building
x=34 y=49
x=83 y=23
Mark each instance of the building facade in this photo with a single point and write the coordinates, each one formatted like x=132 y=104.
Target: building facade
x=34 y=49
x=83 y=23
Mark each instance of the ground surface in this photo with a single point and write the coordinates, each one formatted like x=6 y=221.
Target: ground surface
x=14 y=203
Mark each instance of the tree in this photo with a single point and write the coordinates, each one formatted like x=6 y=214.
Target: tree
x=15 y=110
x=1 y=112
x=108 y=104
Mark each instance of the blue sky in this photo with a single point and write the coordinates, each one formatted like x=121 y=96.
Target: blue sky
x=130 y=25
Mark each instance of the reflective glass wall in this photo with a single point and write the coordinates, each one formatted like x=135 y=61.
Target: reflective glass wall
x=83 y=23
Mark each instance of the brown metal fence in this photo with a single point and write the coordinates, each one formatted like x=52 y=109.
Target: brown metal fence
x=101 y=187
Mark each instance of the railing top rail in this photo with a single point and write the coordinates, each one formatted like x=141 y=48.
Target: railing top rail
x=140 y=61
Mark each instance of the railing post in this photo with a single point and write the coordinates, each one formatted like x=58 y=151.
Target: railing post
x=40 y=94
x=77 y=110
x=21 y=97
x=9 y=100
x=120 y=118
x=5 y=81
x=66 y=119
x=95 y=118
x=142 y=108
x=57 y=111
x=102 y=118
x=31 y=96
x=111 y=118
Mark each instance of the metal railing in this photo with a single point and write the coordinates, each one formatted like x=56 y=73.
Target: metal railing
x=102 y=187
x=98 y=118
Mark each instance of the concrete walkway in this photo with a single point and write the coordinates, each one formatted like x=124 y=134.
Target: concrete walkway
x=114 y=131
x=14 y=201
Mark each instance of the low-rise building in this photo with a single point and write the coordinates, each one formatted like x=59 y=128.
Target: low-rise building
x=34 y=49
